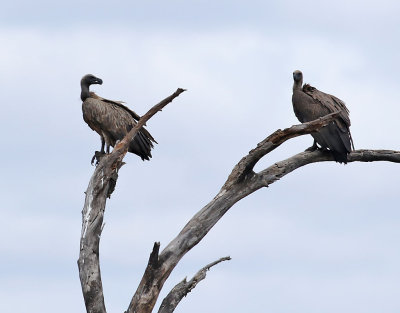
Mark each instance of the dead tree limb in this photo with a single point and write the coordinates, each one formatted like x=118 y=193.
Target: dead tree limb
x=282 y=168
x=247 y=163
x=171 y=301
x=240 y=183
x=100 y=187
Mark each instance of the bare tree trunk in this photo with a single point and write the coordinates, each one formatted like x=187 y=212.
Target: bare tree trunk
x=101 y=185
x=240 y=183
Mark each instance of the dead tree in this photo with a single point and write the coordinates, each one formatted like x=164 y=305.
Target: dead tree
x=241 y=182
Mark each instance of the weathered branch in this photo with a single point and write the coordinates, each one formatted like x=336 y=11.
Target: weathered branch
x=121 y=148
x=282 y=168
x=247 y=163
x=242 y=182
x=171 y=301
x=100 y=187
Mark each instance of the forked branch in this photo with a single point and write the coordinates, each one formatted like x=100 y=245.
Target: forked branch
x=242 y=182
x=247 y=163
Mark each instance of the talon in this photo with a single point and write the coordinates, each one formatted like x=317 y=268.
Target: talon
x=97 y=156
x=91 y=162
x=313 y=147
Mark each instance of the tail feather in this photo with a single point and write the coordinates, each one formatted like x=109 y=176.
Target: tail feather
x=141 y=145
x=340 y=156
x=335 y=140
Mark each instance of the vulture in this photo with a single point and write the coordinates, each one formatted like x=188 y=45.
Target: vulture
x=112 y=120
x=310 y=104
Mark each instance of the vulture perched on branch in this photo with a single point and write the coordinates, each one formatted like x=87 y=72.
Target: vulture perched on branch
x=310 y=104
x=112 y=121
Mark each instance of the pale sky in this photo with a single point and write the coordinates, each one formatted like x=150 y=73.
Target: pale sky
x=324 y=238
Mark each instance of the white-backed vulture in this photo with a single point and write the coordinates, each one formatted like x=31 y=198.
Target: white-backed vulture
x=112 y=120
x=309 y=104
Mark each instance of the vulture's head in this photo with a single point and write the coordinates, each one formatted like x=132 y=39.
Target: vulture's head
x=90 y=79
x=298 y=76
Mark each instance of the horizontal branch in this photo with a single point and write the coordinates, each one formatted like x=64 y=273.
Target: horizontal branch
x=184 y=287
x=282 y=168
x=374 y=155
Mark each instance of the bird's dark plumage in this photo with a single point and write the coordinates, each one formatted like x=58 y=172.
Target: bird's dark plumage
x=112 y=120
x=310 y=104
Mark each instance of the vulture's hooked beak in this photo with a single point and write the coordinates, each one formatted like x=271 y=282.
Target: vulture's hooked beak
x=98 y=81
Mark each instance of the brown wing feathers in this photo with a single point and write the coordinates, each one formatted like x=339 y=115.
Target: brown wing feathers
x=112 y=120
x=309 y=104
x=334 y=104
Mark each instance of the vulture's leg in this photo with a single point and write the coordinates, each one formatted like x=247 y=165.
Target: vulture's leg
x=108 y=143
x=98 y=154
x=313 y=147
x=103 y=142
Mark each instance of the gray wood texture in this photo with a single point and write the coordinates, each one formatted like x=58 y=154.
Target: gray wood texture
x=241 y=182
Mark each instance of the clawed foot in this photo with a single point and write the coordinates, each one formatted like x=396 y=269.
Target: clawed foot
x=312 y=148
x=315 y=147
x=97 y=156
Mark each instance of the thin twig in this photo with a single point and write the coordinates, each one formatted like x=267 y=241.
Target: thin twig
x=172 y=300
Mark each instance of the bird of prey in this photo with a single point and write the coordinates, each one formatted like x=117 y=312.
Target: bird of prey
x=112 y=120
x=310 y=104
